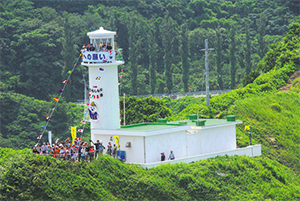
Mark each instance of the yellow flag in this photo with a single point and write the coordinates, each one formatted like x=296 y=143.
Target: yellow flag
x=117 y=140
x=73 y=134
x=247 y=128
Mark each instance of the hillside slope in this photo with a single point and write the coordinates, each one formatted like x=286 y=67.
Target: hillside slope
x=26 y=176
x=272 y=115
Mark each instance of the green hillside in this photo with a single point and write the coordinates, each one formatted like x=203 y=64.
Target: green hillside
x=273 y=115
x=33 y=177
x=38 y=33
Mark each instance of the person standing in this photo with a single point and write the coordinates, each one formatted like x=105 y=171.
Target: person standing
x=101 y=148
x=97 y=145
x=88 y=48
x=92 y=48
x=80 y=151
x=109 y=47
x=114 y=151
x=44 y=148
x=172 y=156
x=163 y=157
x=109 y=147
x=92 y=152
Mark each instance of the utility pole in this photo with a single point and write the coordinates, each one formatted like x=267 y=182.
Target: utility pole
x=124 y=109
x=206 y=69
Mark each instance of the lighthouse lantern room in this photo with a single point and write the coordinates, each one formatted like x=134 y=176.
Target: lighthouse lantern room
x=103 y=79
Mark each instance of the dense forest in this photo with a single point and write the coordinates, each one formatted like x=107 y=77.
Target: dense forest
x=256 y=53
x=161 y=41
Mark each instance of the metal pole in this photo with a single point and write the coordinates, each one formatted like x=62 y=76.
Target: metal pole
x=207 y=70
x=207 y=74
x=250 y=143
x=124 y=110
x=84 y=97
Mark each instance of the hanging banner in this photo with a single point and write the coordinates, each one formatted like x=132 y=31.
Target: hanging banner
x=93 y=111
x=117 y=140
x=99 y=57
x=73 y=134
x=50 y=137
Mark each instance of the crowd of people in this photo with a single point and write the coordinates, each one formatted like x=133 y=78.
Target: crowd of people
x=78 y=151
x=91 y=48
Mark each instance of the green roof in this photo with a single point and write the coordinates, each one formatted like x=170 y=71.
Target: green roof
x=208 y=122
x=158 y=126
x=150 y=126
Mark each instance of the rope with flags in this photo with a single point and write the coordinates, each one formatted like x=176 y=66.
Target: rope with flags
x=48 y=117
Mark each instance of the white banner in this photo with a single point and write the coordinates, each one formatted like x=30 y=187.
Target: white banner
x=102 y=57
x=50 y=137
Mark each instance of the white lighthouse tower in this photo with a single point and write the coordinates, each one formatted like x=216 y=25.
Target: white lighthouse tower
x=103 y=80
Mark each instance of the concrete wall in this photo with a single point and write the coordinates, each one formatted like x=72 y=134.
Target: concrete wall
x=157 y=144
x=218 y=139
x=194 y=143
x=134 y=154
x=108 y=105
x=252 y=151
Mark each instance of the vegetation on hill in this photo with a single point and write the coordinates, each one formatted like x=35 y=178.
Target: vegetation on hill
x=273 y=115
x=25 y=176
x=161 y=41
x=161 y=47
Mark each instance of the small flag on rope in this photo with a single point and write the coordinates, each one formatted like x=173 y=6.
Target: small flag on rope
x=53 y=108
x=120 y=76
x=56 y=99
x=119 y=83
x=69 y=72
x=97 y=96
x=88 y=103
x=61 y=90
x=75 y=64
x=83 y=122
x=247 y=128
x=65 y=82
x=47 y=117
x=101 y=69
x=43 y=127
x=39 y=137
x=122 y=69
x=95 y=86
x=80 y=130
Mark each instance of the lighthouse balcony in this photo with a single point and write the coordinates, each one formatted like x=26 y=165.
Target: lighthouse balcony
x=94 y=57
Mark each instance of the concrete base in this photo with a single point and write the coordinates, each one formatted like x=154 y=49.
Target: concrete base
x=252 y=151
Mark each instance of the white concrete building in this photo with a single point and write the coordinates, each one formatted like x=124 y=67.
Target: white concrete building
x=190 y=140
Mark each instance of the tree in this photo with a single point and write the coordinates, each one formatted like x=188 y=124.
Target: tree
x=184 y=52
x=152 y=51
x=248 y=50
x=169 y=33
x=219 y=53
x=232 y=56
x=134 y=45
x=261 y=29
x=68 y=54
